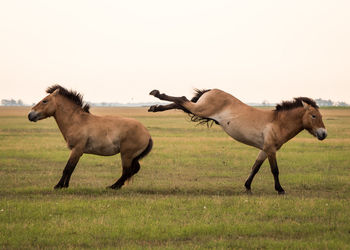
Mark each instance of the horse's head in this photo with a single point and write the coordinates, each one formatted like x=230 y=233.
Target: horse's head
x=45 y=108
x=312 y=122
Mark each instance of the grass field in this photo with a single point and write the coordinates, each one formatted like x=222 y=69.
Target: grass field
x=189 y=192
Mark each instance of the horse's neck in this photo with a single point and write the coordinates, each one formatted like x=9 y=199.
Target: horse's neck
x=290 y=123
x=66 y=118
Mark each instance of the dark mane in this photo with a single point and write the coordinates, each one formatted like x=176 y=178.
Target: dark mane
x=71 y=95
x=298 y=102
x=201 y=120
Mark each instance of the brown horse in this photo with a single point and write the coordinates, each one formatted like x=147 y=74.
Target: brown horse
x=266 y=130
x=91 y=134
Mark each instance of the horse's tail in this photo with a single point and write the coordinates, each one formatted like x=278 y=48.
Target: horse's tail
x=198 y=94
x=146 y=151
x=194 y=118
x=135 y=165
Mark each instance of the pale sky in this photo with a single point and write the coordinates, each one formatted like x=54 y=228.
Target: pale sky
x=118 y=51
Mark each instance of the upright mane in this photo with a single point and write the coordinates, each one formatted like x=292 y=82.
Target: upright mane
x=296 y=103
x=74 y=96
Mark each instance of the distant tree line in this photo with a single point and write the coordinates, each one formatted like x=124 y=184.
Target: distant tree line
x=12 y=102
x=327 y=103
x=320 y=102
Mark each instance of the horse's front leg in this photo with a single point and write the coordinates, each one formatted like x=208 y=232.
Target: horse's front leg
x=275 y=172
x=255 y=169
x=74 y=157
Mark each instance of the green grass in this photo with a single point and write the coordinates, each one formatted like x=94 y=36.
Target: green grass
x=189 y=192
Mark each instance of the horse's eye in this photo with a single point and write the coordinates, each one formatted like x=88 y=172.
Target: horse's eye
x=44 y=101
x=313 y=116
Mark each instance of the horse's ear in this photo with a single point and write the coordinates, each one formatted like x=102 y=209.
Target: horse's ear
x=305 y=105
x=55 y=92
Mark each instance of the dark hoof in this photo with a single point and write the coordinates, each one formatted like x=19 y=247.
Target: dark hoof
x=248 y=191
x=153 y=108
x=281 y=192
x=58 y=186
x=113 y=187
x=154 y=92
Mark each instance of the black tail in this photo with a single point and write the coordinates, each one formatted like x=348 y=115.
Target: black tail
x=194 y=118
x=135 y=165
x=198 y=94
x=146 y=151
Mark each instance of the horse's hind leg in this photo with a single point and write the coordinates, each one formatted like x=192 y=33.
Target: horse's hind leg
x=159 y=108
x=164 y=97
x=130 y=167
x=184 y=104
x=130 y=155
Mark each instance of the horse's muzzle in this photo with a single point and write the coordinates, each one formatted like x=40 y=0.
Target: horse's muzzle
x=33 y=116
x=321 y=133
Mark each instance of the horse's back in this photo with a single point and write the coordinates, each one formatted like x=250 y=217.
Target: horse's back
x=219 y=98
x=124 y=127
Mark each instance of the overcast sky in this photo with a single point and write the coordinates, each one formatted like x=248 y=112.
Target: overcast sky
x=118 y=51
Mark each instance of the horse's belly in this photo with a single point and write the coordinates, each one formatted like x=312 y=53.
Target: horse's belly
x=103 y=151
x=242 y=123
x=105 y=148
x=251 y=141
x=244 y=134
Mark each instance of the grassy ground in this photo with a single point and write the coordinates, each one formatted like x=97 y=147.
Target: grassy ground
x=188 y=194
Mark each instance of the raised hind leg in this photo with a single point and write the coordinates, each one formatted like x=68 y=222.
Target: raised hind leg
x=255 y=169
x=165 y=97
x=130 y=167
x=159 y=108
x=197 y=108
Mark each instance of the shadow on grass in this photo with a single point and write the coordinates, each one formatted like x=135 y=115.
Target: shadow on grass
x=82 y=192
x=167 y=191
x=125 y=192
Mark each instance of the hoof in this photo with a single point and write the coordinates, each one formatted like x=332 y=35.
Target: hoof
x=154 y=92
x=113 y=187
x=248 y=191
x=153 y=108
x=281 y=192
x=60 y=186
